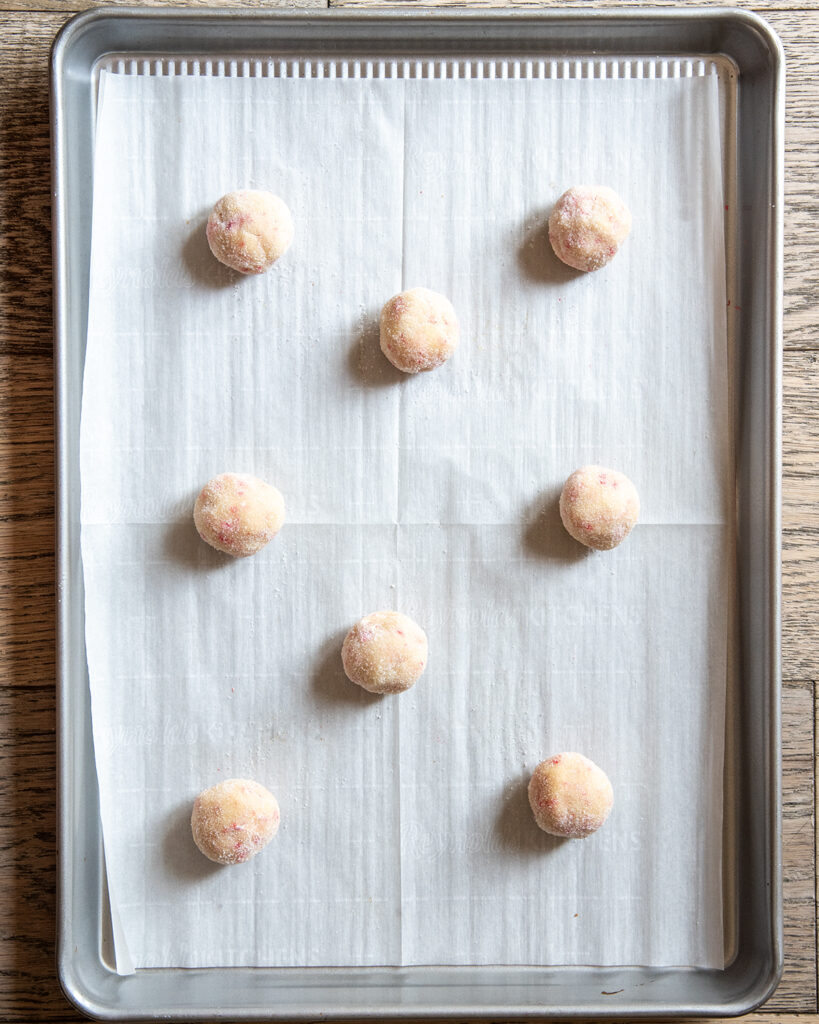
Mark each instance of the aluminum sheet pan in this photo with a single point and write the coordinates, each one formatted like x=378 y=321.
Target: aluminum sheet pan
x=752 y=72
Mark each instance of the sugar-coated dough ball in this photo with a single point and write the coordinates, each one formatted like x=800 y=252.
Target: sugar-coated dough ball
x=238 y=513
x=419 y=330
x=588 y=225
x=599 y=507
x=385 y=652
x=233 y=820
x=570 y=796
x=249 y=230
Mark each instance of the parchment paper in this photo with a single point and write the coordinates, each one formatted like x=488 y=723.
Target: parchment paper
x=406 y=835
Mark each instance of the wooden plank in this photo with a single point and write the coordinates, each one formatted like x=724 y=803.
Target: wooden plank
x=25 y=242
x=797 y=990
x=800 y=443
x=66 y=9
x=815 y=806
x=799 y=619
x=800 y=514
x=801 y=265
x=28 y=986
x=816 y=831
x=27 y=609
x=26 y=366
x=27 y=387
x=801 y=160
x=762 y=6
x=26 y=437
x=70 y=7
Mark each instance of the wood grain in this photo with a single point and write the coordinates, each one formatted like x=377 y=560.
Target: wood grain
x=64 y=9
x=28 y=987
x=25 y=262
x=797 y=990
x=764 y=7
x=801 y=161
x=800 y=516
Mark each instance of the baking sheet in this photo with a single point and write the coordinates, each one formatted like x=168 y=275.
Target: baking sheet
x=406 y=837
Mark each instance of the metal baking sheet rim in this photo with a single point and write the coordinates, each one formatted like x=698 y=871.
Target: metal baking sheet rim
x=429 y=992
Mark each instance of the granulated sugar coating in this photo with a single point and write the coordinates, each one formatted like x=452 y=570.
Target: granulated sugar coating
x=238 y=513
x=249 y=230
x=599 y=507
x=419 y=330
x=570 y=796
x=588 y=225
x=385 y=652
x=233 y=820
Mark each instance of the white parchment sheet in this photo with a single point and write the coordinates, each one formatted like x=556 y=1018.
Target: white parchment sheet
x=406 y=835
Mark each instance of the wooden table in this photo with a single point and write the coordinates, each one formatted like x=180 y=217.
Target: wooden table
x=29 y=990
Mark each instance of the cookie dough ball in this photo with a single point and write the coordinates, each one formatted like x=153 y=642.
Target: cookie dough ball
x=419 y=330
x=588 y=225
x=238 y=513
x=233 y=820
x=249 y=230
x=599 y=507
x=385 y=652
x=570 y=796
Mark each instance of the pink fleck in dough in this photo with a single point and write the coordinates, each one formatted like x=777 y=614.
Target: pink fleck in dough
x=249 y=230
x=238 y=514
x=588 y=225
x=599 y=507
x=233 y=820
x=419 y=330
x=384 y=652
x=570 y=796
